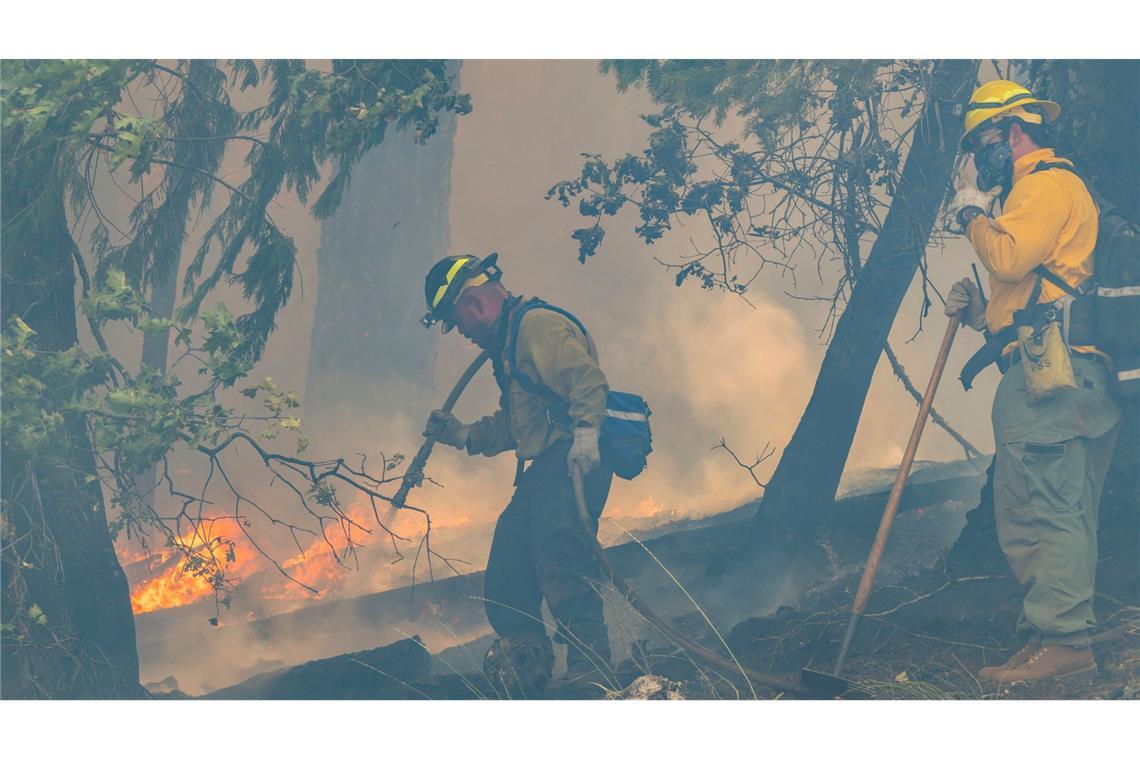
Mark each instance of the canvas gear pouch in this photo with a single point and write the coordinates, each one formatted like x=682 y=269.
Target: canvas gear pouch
x=1045 y=361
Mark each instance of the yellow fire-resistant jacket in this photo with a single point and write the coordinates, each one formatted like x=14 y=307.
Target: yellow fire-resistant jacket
x=553 y=353
x=1050 y=218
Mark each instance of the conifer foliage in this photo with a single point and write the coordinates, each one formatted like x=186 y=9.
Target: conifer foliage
x=78 y=426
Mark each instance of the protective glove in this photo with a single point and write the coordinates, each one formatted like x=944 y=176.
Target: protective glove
x=584 y=453
x=969 y=198
x=965 y=299
x=447 y=429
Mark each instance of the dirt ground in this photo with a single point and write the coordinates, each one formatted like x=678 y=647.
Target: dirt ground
x=922 y=640
x=934 y=619
x=927 y=640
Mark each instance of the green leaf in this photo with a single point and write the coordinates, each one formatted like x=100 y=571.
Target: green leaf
x=114 y=299
x=155 y=325
x=37 y=615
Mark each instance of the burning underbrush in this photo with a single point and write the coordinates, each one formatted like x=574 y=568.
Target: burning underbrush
x=353 y=556
x=220 y=554
x=365 y=596
x=620 y=520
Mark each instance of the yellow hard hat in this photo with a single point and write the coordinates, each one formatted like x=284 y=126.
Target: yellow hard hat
x=999 y=97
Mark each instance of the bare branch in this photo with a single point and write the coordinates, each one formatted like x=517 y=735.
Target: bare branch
x=760 y=458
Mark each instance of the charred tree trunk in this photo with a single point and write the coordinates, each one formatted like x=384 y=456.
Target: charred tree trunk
x=154 y=355
x=805 y=482
x=156 y=345
x=69 y=632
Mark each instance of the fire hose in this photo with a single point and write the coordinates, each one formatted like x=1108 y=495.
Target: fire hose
x=414 y=477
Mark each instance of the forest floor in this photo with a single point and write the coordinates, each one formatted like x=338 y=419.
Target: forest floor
x=925 y=638
x=925 y=641
x=931 y=623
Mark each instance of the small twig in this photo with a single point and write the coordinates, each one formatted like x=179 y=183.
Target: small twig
x=768 y=451
x=943 y=587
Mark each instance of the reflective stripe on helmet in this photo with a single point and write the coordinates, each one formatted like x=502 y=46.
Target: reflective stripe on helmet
x=447 y=281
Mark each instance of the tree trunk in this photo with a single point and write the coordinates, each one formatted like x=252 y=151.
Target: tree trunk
x=368 y=348
x=58 y=557
x=805 y=482
x=154 y=355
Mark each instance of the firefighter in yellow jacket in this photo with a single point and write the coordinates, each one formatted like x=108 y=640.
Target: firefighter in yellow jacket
x=539 y=550
x=1053 y=447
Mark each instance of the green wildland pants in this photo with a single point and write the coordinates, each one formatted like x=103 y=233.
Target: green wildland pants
x=1050 y=466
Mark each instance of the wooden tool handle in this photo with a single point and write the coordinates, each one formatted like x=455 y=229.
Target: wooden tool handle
x=892 y=507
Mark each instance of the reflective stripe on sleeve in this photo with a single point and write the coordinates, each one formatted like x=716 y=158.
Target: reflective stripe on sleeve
x=632 y=416
x=1128 y=290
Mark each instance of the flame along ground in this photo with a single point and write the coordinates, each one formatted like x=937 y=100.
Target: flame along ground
x=162 y=579
x=165 y=578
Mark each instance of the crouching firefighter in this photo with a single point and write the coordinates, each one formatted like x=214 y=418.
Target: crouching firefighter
x=553 y=409
x=1055 y=416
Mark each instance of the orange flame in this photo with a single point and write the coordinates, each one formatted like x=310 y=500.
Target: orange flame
x=322 y=566
x=163 y=580
x=648 y=507
x=174 y=588
x=180 y=581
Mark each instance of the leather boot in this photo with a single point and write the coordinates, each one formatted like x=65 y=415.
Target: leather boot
x=1018 y=659
x=1051 y=661
x=519 y=665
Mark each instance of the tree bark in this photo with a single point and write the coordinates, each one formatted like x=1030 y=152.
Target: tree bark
x=805 y=481
x=368 y=348
x=57 y=549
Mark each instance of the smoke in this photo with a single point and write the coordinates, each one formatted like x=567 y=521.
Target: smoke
x=710 y=364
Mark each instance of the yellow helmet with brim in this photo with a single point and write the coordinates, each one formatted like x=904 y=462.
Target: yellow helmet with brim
x=1001 y=99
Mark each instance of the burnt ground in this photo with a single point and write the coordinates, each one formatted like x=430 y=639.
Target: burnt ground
x=921 y=640
x=935 y=617
x=926 y=639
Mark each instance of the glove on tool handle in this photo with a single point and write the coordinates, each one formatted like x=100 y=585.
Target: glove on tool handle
x=414 y=475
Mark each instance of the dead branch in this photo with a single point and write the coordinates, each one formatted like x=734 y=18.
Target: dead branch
x=969 y=448
x=767 y=452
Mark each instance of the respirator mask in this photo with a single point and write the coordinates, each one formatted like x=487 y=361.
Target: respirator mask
x=994 y=163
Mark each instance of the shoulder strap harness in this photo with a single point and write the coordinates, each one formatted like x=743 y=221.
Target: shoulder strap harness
x=1033 y=313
